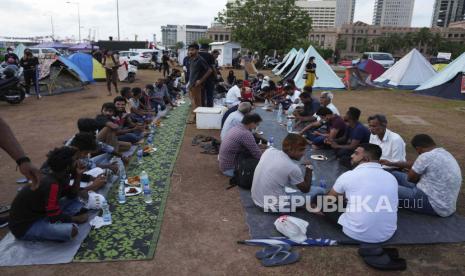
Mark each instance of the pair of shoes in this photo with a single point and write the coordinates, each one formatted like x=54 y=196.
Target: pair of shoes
x=5 y=209
x=277 y=255
x=383 y=258
x=3 y=222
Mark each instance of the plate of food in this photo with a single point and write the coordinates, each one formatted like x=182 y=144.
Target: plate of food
x=319 y=157
x=149 y=149
x=132 y=191
x=133 y=181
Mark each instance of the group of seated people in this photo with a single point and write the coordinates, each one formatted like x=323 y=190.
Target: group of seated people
x=65 y=193
x=376 y=155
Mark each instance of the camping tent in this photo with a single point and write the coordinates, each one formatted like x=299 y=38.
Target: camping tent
x=408 y=73
x=290 y=74
x=228 y=50
x=372 y=68
x=88 y=65
x=290 y=58
x=19 y=50
x=327 y=79
x=64 y=76
x=449 y=83
x=288 y=64
x=280 y=65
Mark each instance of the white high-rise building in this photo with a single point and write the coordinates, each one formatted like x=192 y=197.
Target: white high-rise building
x=322 y=12
x=171 y=34
x=396 y=13
x=345 y=10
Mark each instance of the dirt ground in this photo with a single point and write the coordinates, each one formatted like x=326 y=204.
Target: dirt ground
x=202 y=220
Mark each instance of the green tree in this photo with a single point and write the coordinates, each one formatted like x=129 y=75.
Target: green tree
x=341 y=44
x=264 y=25
x=204 y=40
x=180 y=45
x=423 y=38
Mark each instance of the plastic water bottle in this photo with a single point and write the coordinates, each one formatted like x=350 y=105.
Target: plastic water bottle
x=121 y=192
x=323 y=183
x=150 y=140
x=289 y=125
x=271 y=142
x=144 y=179
x=122 y=171
x=106 y=212
x=140 y=154
x=279 y=117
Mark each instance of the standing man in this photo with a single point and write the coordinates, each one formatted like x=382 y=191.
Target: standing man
x=209 y=87
x=199 y=73
x=245 y=60
x=166 y=66
x=30 y=65
x=111 y=64
x=311 y=72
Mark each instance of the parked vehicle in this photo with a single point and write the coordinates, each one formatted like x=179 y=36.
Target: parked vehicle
x=11 y=90
x=385 y=59
x=270 y=62
x=44 y=52
x=140 y=59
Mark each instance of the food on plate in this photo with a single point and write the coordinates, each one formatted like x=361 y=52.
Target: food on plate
x=132 y=191
x=134 y=180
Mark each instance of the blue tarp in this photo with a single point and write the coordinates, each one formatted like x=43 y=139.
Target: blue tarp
x=84 y=62
x=73 y=67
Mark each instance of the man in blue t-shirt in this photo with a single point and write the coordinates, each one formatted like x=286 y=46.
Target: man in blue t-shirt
x=355 y=135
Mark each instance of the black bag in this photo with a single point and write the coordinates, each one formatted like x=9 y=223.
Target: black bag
x=243 y=174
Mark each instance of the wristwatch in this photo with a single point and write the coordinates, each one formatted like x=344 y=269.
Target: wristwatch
x=22 y=160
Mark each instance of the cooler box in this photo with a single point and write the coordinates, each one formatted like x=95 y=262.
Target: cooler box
x=209 y=117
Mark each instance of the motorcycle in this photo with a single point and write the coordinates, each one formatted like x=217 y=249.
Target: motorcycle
x=270 y=62
x=11 y=89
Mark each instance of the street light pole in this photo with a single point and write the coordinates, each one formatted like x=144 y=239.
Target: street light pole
x=117 y=15
x=79 y=17
x=53 y=28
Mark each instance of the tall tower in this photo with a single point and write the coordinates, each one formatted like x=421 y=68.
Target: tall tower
x=345 y=10
x=448 y=11
x=396 y=13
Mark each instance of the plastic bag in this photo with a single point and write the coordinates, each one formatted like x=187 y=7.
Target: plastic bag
x=293 y=228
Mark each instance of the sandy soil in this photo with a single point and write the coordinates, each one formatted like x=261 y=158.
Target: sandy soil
x=202 y=220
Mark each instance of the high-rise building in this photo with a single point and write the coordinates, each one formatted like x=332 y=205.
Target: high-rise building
x=171 y=34
x=395 y=13
x=323 y=12
x=345 y=10
x=448 y=11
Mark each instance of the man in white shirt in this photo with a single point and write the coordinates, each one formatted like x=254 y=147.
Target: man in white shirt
x=235 y=118
x=277 y=170
x=433 y=182
x=233 y=97
x=391 y=143
x=326 y=100
x=371 y=192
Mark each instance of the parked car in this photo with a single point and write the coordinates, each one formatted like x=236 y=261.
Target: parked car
x=139 y=59
x=385 y=59
x=44 y=52
x=436 y=60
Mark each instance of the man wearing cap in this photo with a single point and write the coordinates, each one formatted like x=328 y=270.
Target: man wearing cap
x=199 y=72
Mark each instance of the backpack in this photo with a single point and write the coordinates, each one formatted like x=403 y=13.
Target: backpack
x=243 y=174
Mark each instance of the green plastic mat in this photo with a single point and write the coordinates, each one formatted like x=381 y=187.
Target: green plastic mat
x=136 y=225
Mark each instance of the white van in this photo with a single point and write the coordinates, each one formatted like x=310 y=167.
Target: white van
x=44 y=52
x=385 y=59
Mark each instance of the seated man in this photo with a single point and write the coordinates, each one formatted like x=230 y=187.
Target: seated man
x=355 y=135
x=336 y=126
x=233 y=97
x=371 y=212
x=292 y=97
x=239 y=142
x=277 y=170
x=128 y=131
x=51 y=211
x=108 y=130
x=326 y=100
x=305 y=115
x=231 y=110
x=391 y=143
x=433 y=182
x=160 y=96
x=235 y=118
x=138 y=114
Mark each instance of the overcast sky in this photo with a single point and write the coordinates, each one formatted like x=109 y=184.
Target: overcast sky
x=141 y=17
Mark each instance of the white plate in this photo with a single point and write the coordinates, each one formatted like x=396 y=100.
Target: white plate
x=127 y=183
x=126 y=190
x=319 y=157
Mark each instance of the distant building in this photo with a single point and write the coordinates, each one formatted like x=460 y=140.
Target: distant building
x=354 y=35
x=323 y=12
x=448 y=11
x=345 y=10
x=219 y=33
x=458 y=24
x=171 y=34
x=396 y=13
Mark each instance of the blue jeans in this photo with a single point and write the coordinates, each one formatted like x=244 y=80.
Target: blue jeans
x=131 y=137
x=207 y=95
x=314 y=191
x=43 y=229
x=158 y=105
x=412 y=198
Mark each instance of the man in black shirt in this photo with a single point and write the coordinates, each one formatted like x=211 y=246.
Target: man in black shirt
x=166 y=66
x=209 y=87
x=30 y=64
x=199 y=71
x=10 y=55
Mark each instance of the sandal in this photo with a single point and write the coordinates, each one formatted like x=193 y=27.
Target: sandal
x=270 y=250
x=281 y=258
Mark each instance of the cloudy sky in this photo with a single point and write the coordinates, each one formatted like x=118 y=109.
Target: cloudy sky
x=141 y=17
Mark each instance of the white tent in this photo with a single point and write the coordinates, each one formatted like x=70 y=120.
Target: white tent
x=408 y=73
x=447 y=74
x=327 y=79
x=297 y=62
x=289 y=61
x=228 y=50
x=286 y=57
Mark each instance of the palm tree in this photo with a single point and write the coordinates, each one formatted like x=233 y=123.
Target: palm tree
x=423 y=38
